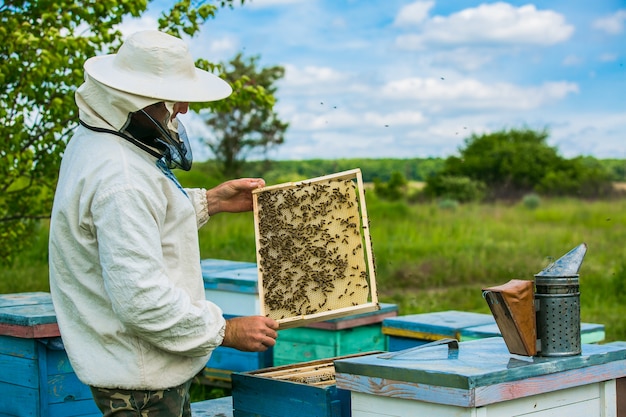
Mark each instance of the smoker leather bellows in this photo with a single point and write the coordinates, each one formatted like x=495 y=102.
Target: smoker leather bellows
x=541 y=317
x=557 y=297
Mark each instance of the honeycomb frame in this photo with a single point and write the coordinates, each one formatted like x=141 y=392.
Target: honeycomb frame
x=314 y=251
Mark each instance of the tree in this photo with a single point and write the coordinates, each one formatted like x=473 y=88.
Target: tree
x=241 y=126
x=512 y=163
x=392 y=190
x=43 y=46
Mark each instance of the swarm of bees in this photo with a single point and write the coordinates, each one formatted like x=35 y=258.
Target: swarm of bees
x=312 y=252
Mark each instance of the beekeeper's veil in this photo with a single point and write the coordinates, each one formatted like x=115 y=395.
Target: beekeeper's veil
x=133 y=92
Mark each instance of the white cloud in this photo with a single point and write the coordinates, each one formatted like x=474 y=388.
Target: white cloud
x=491 y=24
x=608 y=57
x=466 y=59
x=132 y=25
x=472 y=93
x=613 y=24
x=414 y=13
x=572 y=60
x=226 y=45
x=342 y=119
x=270 y=3
x=311 y=76
x=600 y=135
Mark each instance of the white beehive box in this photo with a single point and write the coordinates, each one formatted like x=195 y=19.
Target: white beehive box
x=314 y=252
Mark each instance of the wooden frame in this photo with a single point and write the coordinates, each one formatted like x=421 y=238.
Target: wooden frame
x=314 y=252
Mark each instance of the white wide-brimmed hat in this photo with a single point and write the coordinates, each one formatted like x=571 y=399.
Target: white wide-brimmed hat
x=156 y=65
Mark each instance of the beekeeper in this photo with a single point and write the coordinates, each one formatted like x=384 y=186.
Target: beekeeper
x=125 y=273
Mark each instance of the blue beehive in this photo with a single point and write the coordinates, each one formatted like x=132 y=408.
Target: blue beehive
x=233 y=286
x=303 y=389
x=404 y=332
x=37 y=379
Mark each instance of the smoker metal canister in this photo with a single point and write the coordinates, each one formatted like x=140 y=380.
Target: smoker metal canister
x=558 y=315
x=557 y=298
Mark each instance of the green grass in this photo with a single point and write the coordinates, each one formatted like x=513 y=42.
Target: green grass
x=430 y=258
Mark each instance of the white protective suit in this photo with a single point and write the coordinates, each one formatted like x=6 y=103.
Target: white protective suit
x=125 y=273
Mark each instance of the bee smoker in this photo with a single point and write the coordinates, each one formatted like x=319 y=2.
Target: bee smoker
x=542 y=317
x=557 y=305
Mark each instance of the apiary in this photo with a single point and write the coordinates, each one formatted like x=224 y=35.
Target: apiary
x=303 y=389
x=335 y=337
x=36 y=378
x=314 y=252
x=412 y=330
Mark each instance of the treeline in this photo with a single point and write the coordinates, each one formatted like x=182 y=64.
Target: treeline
x=413 y=169
x=504 y=165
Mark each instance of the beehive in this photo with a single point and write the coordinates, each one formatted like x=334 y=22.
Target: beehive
x=302 y=389
x=314 y=252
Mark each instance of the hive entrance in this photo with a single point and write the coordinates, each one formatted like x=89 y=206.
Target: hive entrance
x=314 y=249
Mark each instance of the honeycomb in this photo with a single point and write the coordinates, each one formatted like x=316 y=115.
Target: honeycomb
x=313 y=250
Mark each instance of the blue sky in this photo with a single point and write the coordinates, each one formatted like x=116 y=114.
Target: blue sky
x=404 y=79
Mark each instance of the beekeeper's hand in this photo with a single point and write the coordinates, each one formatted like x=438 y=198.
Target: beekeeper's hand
x=232 y=196
x=250 y=334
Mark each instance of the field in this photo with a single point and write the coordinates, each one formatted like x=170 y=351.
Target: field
x=432 y=257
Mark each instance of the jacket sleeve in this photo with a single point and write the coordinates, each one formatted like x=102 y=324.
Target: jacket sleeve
x=150 y=304
x=199 y=202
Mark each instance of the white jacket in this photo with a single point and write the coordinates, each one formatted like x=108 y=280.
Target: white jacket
x=125 y=273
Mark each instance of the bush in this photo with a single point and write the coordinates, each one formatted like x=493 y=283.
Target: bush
x=394 y=189
x=461 y=189
x=448 y=204
x=531 y=201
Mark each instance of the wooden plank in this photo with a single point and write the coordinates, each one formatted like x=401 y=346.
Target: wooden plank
x=411 y=334
x=18 y=371
x=577 y=402
x=476 y=363
x=548 y=383
x=64 y=387
x=269 y=397
x=17 y=400
x=15 y=346
x=219 y=407
x=296 y=369
x=305 y=343
x=482 y=395
x=297 y=321
x=348 y=322
x=73 y=408
x=36 y=331
x=446 y=323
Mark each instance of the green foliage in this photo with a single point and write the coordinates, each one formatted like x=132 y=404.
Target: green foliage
x=394 y=189
x=415 y=169
x=246 y=121
x=448 y=204
x=462 y=189
x=617 y=168
x=514 y=162
x=43 y=46
x=531 y=201
x=584 y=177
